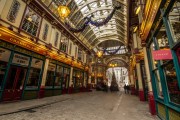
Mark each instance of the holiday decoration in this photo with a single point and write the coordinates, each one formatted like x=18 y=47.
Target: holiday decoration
x=88 y=21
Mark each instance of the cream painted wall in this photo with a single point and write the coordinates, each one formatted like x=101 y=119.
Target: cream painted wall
x=70 y=42
x=42 y=29
x=73 y=50
x=6 y=9
x=84 y=58
x=2 y=4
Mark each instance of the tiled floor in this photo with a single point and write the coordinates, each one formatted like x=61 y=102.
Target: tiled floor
x=86 y=106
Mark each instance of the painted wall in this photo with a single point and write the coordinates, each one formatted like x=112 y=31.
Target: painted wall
x=5 y=11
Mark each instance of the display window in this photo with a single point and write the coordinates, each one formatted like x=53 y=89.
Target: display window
x=50 y=75
x=34 y=74
x=4 y=58
x=174 y=21
x=163 y=66
x=66 y=77
x=59 y=77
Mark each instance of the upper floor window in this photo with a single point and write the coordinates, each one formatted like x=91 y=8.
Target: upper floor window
x=13 y=11
x=79 y=54
x=56 y=39
x=70 y=48
x=45 y=32
x=31 y=22
x=64 y=44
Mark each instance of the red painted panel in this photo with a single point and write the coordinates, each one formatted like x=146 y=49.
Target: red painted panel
x=7 y=95
x=152 y=107
x=17 y=94
x=133 y=91
x=41 y=92
x=141 y=95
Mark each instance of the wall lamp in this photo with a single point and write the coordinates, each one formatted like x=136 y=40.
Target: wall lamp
x=138 y=8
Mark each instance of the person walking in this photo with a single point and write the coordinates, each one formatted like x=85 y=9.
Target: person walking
x=125 y=88
x=128 y=89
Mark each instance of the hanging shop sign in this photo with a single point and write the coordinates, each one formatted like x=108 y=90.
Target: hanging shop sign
x=20 y=59
x=4 y=54
x=162 y=54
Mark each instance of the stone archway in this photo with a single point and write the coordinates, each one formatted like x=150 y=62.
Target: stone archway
x=120 y=72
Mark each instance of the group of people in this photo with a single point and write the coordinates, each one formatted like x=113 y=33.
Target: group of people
x=126 y=89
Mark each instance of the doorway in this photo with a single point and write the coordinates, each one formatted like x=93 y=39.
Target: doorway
x=14 y=83
x=65 y=85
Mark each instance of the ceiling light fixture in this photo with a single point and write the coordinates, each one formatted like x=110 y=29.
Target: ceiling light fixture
x=137 y=10
x=99 y=53
x=135 y=29
x=63 y=11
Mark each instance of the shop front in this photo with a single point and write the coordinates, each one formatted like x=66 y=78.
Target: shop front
x=78 y=80
x=20 y=72
x=163 y=54
x=57 y=78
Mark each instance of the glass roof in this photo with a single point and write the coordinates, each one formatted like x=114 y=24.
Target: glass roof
x=100 y=9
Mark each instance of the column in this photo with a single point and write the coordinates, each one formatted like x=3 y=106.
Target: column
x=132 y=84
x=70 y=89
x=141 y=90
x=152 y=107
x=41 y=91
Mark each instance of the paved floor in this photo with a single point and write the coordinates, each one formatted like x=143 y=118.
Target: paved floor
x=85 y=106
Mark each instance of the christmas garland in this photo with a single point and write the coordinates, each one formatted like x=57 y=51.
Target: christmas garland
x=111 y=53
x=88 y=21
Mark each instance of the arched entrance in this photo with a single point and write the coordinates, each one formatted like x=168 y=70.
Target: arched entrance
x=117 y=71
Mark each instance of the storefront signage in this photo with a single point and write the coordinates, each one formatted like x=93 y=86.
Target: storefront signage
x=24 y=44
x=4 y=54
x=151 y=9
x=20 y=59
x=162 y=54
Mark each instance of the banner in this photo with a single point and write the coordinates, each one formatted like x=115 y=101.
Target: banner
x=162 y=54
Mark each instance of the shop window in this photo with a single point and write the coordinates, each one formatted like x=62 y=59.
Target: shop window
x=34 y=74
x=172 y=83
x=50 y=75
x=64 y=44
x=79 y=54
x=3 y=66
x=162 y=42
x=158 y=84
x=56 y=39
x=4 y=58
x=13 y=11
x=45 y=32
x=31 y=22
x=66 y=77
x=174 y=19
x=154 y=62
x=59 y=77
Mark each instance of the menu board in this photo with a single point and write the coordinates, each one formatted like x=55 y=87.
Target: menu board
x=21 y=59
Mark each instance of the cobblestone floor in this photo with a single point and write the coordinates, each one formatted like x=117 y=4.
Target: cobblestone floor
x=89 y=106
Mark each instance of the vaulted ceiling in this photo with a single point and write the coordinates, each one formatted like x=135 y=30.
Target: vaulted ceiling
x=115 y=30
